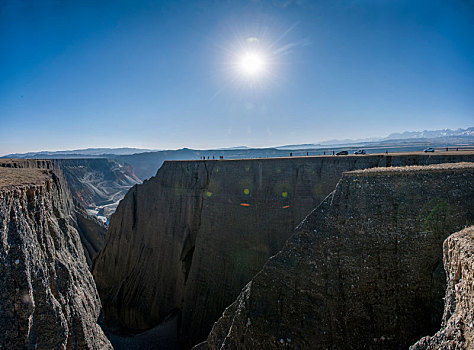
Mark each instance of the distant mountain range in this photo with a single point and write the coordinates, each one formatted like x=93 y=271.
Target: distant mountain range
x=407 y=135
x=87 y=152
x=146 y=161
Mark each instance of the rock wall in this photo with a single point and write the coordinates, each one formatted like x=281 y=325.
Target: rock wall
x=457 y=329
x=363 y=270
x=91 y=230
x=97 y=184
x=190 y=238
x=48 y=298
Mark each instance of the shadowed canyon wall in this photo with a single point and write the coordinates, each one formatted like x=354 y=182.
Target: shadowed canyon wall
x=457 y=329
x=363 y=270
x=191 y=237
x=48 y=298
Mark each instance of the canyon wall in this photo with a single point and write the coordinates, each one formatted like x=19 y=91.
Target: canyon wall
x=363 y=270
x=191 y=237
x=97 y=184
x=457 y=329
x=48 y=298
x=91 y=230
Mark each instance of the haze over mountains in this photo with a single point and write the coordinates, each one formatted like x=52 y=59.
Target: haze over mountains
x=434 y=136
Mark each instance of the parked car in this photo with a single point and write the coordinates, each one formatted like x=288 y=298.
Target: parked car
x=361 y=151
x=429 y=149
x=342 y=153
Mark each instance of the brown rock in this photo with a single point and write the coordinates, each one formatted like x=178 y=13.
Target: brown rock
x=190 y=238
x=457 y=328
x=363 y=270
x=48 y=298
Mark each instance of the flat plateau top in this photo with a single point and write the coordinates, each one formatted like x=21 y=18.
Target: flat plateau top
x=390 y=154
x=414 y=168
x=10 y=177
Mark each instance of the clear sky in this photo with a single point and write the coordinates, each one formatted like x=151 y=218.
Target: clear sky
x=164 y=75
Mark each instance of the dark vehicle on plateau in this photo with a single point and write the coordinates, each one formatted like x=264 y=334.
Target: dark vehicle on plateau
x=429 y=149
x=361 y=151
x=342 y=153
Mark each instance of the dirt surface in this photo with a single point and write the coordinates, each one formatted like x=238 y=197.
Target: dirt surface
x=23 y=176
x=414 y=168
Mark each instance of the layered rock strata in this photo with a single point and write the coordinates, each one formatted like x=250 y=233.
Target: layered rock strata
x=190 y=238
x=363 y=270
x=457 y=328
x=48 y=298
x=91 y=230
x=97 y=184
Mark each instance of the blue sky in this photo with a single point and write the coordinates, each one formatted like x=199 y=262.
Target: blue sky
x=161 y=75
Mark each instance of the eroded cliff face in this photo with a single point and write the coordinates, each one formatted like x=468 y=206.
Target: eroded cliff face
x=190 y=238
x=363 y=270
x=457 y=328
x=91 y=230
x=98 y=184
x=48 y=298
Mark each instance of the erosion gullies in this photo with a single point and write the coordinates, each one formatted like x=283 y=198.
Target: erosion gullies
x=48 y=298
x=457 y=328
x=191 y=237
x=363 y=270
x=96 y=184
x=91 y=230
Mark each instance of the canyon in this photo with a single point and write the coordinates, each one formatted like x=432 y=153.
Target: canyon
x=48 y=296
x=296 y=252
x=190 y=238
x=97 y=184
x=363 y=270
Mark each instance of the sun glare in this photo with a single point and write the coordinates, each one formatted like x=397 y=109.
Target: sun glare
x=252 y=64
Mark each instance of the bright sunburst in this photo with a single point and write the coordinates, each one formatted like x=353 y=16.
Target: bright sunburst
x=252 y=64
x=255 y=60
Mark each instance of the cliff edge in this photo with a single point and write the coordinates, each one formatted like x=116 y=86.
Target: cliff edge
x=363 y=270
x=48 y=298
x=457 y=328
x=191 y=237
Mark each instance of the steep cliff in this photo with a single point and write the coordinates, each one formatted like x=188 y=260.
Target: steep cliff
x=96 y=184
x=48 y=298
x=457 y=329
x=190 y=238
x=91 y=230
x=363 y=270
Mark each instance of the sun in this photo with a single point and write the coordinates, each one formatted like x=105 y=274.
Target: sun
x=252 y=64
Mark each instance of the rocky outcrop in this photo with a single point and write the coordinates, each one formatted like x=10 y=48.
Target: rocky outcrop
x=97 y=184
x=91 y=230
x=363 y=270
x=190 y=238
x=48 y=298
x=457 y=328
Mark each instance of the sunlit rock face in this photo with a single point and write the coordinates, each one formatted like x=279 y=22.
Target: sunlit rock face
x=48 y=298
x=191 y=237
x=91 y=229
x=457 y=328
x=97 y=184
x=363 y=270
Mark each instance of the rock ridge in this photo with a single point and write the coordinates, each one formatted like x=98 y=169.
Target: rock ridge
x=363 y=270
x=191 y=237
x=48 y=298
x=457 y=328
